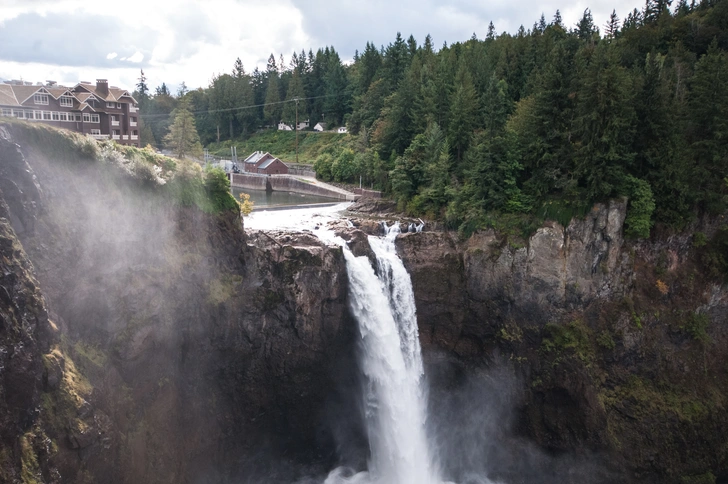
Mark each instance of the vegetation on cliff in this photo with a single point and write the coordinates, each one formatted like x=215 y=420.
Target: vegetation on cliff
x=182 y=180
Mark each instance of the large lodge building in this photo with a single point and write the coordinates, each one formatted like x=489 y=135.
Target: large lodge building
x=99 y=111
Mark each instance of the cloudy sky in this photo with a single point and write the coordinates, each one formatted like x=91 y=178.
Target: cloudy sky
x=191 y=41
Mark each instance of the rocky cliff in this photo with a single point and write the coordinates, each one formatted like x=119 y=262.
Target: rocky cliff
x=617 y=348
x=187 y=352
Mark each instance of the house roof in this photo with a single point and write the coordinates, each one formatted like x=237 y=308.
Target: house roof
x=17 y=94
x=23 y=93
x=7 y=96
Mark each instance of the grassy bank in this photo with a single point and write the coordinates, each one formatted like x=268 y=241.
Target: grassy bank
x=183 y=181
x=282 y=144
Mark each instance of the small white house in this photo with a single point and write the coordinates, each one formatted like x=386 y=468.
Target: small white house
x=342 y=130
x=320 y=127
x=303 y=125
x=284 y=127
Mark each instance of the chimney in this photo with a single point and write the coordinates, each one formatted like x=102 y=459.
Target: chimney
x=51 y=83
x=102 y=87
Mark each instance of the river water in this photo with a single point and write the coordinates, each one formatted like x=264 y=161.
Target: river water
x=261 y=198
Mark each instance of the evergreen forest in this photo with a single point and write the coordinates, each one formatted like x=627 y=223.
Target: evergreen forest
x=510 y=128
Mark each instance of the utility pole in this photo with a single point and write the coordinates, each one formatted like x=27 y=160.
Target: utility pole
x=296 y=127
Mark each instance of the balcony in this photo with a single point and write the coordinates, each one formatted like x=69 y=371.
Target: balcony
x=115 y=136
x=133 y=137
x=133 y=109
x=124 y=137
x=132 y=123
x=99 y=136
x=114 y=122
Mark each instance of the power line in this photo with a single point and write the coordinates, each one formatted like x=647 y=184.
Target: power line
x=244 y=107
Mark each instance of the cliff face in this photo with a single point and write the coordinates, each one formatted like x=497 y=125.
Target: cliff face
x=618 y=349
x=189 y=353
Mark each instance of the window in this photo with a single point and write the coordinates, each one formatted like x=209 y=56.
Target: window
x=38 y=115
x=86 y=117
x=40 y=98
x=18 y=113
x=67 y=101
x=115 y=132
x=95 y=131
x=110 y=105
x=7 y=112
x=55 y=116
x=118 y=105
x=46 y=115
x=64 y=117
x=95 y=118
x=78 y=117
x=29 y=115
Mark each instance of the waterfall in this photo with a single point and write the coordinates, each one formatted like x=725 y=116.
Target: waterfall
x=391 y=361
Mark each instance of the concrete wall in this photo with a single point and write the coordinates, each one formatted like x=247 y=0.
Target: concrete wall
x=284 y=183
x=291 y=184
x=247 y=180
x=367 y=193
x=301 y=170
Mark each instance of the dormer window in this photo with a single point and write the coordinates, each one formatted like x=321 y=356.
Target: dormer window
x=67 y=101
x=40 y=99
x=111 y=105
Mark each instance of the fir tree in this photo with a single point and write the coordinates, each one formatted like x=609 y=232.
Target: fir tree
x=182 y=138
x=462 y=111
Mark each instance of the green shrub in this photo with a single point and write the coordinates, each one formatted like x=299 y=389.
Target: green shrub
x=641 y=206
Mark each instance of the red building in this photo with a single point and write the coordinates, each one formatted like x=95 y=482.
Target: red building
x=98 y=110
x=264 y=164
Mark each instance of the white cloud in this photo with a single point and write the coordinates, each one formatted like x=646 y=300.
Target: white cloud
x=111 y=55
x=137 y=57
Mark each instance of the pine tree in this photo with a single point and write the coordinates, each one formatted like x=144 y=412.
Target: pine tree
x=295 y=91
x=273 y=108
x=708 y=128
x=585 y=29
x=238 y=69
x=142 y=90
x=491 y=32
x=182 y=89
x=605 y=125
x=182 y=138
x=611 y=30
x=462 y=111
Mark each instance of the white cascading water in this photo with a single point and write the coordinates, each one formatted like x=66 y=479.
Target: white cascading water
x=395 y=399
x=394 y=396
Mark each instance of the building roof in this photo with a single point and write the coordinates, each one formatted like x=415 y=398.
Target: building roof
x=267 y=163
x=23 y=93
x=7 y=96
x=256 y=156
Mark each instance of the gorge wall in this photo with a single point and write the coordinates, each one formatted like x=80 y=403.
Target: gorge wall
x=142 y=340
x=185 y=352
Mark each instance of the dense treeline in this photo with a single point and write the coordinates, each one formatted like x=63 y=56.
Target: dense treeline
x=543 y=122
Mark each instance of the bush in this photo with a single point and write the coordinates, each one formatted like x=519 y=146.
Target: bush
x=641 y=206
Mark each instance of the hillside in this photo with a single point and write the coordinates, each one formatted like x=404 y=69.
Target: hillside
x=282 y=144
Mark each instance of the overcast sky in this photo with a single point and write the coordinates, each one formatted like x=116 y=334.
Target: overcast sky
x=72 y=40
